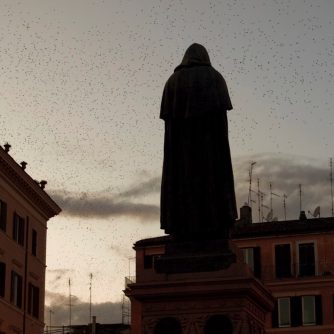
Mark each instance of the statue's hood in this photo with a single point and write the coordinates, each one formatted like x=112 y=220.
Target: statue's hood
x=196 y=55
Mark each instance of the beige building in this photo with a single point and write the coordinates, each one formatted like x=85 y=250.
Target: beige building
x=25 y=209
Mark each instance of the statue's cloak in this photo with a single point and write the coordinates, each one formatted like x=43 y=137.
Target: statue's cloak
x=197 y=192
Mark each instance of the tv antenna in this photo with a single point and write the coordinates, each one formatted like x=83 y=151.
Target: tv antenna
x=300 y=197
x=260 y=196
x=252 y=164
x=331 y=180
x=90 y=296
x=70 y=302
x=284 y=205
x=271 y=196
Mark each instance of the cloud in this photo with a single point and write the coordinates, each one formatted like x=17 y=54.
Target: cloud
x=149 y=187
x=100 y=205
x=284 y=172
x=59 y=305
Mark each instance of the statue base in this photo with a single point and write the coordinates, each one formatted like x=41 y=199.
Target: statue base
x=195 y=256
x=177 y=290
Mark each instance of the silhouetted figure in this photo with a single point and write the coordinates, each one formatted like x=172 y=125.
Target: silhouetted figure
x=197 y=192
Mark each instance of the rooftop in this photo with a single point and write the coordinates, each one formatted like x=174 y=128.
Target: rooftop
x=277 y=228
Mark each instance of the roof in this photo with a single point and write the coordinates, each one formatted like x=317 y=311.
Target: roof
x=28 y=187
x=315 y=225
x=278 y=228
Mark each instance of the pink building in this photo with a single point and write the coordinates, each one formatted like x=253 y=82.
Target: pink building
x=25 y=209
x=293 y=261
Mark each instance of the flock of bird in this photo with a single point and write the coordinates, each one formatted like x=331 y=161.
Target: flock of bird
x=82 y=82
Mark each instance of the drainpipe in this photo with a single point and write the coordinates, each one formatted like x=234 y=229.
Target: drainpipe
x=25 y=277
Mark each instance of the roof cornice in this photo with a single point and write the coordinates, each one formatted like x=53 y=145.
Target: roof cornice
x=27 y=186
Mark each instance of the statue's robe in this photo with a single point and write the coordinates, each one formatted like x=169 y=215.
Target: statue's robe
x=197 y=191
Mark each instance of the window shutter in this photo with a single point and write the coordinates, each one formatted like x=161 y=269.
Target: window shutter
x=296 y=311
x=274 y=315
x=2 y=279
x=36 y=302
x=21 y=231
x=19 y=291
x=15 y=226
x=3 y=215
x=306 y=259
x=283 y=261
x=12 y=286
x=318 y=310
x=34 y=243
x=30 y=298
x=257 y=262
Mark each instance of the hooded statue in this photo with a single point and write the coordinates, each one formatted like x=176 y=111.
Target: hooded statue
x=197 y=190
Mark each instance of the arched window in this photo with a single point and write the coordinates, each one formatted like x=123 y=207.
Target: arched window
x=167 y=326
x=218 y=324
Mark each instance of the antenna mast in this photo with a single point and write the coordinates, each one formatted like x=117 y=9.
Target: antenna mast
x=259 y=199
x=70 y=303
x=284 y=205
x=252 y=163
x=271 y=197
x=90 y=296
x=300 y=197
x=331 y=179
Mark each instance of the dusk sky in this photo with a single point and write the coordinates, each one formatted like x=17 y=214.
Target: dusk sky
x=81 y=85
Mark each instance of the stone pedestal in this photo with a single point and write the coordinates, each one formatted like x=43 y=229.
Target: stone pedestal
x=195 y=256
x=164 y=300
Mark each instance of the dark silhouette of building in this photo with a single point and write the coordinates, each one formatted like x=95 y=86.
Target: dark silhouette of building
x=101 y=329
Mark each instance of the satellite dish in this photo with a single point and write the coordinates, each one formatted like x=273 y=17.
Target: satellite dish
x=316 y=212
x=269 y=217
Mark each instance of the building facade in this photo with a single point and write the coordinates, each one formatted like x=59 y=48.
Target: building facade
x=25 y=209
x=294 y=260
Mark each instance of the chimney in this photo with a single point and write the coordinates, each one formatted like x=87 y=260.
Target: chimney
x=7 y=147
x=302 y=216
x=23 y=165
x=43 y=184
x=245 y=215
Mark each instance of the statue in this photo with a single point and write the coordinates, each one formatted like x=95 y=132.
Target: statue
x=197 y=190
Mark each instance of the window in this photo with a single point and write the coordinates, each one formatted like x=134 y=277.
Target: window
x=16 y=289
x=3 y=215
x=2 y=279
x=298 y=311
x=252 y=257
x=18 y=229
x=34 y=243
x=33 y=300
x=306 y=259
x=308 y=303
x=284 y=312
x=148 y=261
x=283 y=261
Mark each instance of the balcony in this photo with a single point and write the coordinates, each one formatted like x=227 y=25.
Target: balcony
x=129 y=280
